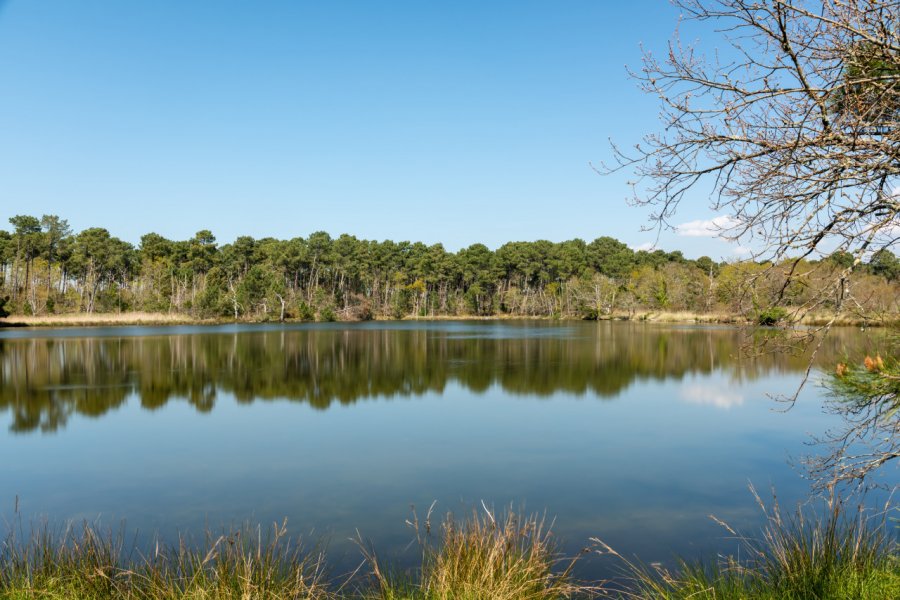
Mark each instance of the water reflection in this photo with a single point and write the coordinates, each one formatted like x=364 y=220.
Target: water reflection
x=44 y=380
x=716 y=395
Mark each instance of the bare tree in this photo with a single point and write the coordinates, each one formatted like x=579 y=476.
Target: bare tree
x=793 y=130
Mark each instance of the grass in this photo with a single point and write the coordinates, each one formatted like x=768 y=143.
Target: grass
x=89 y=319
x=675 y=317
x=678 y=317
x=839 y=556
x=487 y=556
x=84 y=564
x=503 y=557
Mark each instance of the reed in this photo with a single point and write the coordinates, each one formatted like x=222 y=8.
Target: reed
x=665 y=317
x=84 y=563
x=98 y=319
x=839 y=555
x=842 y=555
x=504 y=556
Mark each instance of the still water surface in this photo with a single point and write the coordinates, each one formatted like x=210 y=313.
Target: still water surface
x=633 y=433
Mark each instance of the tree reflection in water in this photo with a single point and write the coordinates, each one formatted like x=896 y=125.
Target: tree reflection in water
x=43 y=380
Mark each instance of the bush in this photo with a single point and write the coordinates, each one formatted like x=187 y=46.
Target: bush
x=365 y=312
x=305 y=312
x=359 y=312
x=771 y=316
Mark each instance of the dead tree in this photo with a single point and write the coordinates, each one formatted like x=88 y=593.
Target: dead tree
x=792 y=128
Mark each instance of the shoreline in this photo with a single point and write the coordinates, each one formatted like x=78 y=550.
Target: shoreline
x=662 y=317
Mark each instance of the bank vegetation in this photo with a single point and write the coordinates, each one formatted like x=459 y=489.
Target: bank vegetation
x=47 y=270
x=487 y=556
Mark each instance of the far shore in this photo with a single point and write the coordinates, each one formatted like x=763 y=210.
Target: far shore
x=150 y=318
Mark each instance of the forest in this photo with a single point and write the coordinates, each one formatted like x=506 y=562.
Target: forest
x=47 y=268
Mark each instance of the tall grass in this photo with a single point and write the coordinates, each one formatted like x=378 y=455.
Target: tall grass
x=83 y=563
x=88 y=319
x=843 y=555
x=487 y=556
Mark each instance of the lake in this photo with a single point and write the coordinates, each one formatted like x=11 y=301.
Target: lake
x=630 y=432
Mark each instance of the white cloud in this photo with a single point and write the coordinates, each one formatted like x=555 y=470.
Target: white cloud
x=648 y=246
x=711 y=395
x=707 y=227
x=743 y=251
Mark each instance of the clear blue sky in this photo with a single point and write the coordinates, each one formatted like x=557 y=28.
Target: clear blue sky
x=454 y=122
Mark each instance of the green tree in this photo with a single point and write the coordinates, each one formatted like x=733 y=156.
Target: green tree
x=27 y=239
x=610 y=257
x=101 y=260
x=55 y=230
x=885 y=264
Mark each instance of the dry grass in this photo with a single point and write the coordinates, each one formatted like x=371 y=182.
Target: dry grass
x=810 y=319
x=485 y=557
x=675 y=317
x=85 y=319
x=819 y=319
x=681 y=317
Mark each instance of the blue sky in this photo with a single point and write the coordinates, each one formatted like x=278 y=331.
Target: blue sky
x=443 y=122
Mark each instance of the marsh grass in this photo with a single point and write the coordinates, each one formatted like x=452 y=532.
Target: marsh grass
x=99 y=319
x=842 y=555
x=505 y=556
x=86 y=563
x=672 y=317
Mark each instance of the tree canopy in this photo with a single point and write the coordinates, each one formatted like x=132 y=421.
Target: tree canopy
x=45 y=267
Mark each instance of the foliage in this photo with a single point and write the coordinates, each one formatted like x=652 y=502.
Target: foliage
x=771 y=316
x=49 y=268
x=868 y=396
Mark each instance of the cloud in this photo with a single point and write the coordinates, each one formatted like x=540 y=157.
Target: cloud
x=648 y=246
x=711 y=395
x=706 y=227
x=743 y=251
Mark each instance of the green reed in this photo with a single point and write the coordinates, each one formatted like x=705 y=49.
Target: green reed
x=839 y=555
x=487 y=556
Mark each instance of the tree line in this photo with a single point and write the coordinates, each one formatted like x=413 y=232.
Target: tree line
x=47 y=268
